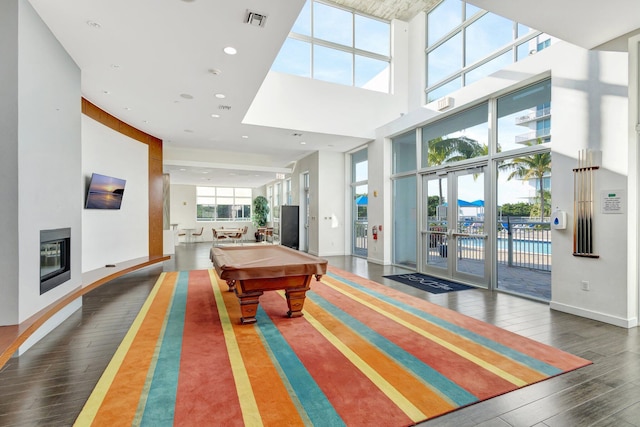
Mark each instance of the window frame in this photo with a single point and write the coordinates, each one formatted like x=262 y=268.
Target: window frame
x=352 y=50
x=235 y=207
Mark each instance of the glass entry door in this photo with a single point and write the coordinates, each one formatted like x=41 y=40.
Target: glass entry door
x=454 y=237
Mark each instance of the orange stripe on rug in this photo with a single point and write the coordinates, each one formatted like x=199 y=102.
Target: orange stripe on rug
x=450 y=360
x=205 y=368
x=116 y=396
x=498 y=364
x=540 y=351
x=350 y=391
x=418 y=392
x=267 y=386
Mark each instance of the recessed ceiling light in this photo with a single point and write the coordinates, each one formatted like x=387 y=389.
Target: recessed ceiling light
x=186 y=96
x=220 y=95
x=94 y=24
x=214 y=71
x=182 y=170
x=303 y=143
x=116 y=66
x=106 y=92
x=230 y=50
x=127 y=108
x=245 y=136
x=188 y=131
x=215 y=116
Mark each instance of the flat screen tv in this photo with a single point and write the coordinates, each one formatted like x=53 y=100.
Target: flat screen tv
x=105 y=192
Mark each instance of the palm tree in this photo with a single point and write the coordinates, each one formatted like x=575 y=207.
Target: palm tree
x=450 y=150
x=533 y=166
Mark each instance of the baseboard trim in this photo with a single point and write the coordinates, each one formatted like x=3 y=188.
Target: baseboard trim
x=594 y=315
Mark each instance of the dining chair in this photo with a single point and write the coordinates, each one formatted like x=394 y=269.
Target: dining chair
x=217 y=237
x=198 y=234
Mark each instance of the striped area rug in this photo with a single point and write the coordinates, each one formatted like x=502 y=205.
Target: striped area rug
x=362 y=355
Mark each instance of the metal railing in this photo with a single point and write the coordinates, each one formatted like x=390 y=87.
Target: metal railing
x=360 y=242
x=525 y=244
x=521 y=243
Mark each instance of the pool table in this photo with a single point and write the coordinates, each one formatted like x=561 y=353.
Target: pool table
x=251 y=270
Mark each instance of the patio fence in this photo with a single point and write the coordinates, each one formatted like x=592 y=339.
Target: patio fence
x=525 y=244
x=360 y=237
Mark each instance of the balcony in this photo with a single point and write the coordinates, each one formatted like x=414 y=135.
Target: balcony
x=544 y=134
x=533 y=116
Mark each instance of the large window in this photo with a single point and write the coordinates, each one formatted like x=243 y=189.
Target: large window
x=405 y=227
x=465 y=44
x=339 y=46
x=223 y=204
x=459 y=137
x=524 y=117
x=403 y=149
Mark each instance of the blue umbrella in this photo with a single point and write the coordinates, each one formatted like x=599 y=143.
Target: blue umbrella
x=362 y=200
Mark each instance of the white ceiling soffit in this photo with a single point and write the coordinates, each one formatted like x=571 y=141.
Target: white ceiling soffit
x=158 y=65
x=585 y=23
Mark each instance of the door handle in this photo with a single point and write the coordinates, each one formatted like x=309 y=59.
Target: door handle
x=457 y=234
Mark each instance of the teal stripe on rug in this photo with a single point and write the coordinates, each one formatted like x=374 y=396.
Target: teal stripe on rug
x=160 y=407
x=509 y=352
x=430 y=377
x=318 y=408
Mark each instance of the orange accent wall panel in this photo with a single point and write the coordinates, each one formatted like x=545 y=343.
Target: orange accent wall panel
x=155 y=169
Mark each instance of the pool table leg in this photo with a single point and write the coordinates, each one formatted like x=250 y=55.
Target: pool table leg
x=232 y=285
x=295 y=301
x=249 y=306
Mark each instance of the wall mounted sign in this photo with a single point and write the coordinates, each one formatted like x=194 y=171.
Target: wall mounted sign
x=613 y=201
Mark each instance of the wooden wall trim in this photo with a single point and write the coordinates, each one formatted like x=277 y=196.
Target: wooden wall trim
x=155 y=169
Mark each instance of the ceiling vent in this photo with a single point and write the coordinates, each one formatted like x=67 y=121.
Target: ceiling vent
x=224 y=107
x=255 y=19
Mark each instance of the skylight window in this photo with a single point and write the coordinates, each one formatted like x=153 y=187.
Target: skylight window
x=339 y=46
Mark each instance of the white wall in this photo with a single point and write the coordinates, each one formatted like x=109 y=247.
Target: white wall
x=589 y=92
x=111 y=236
x=41 y=141
x=332 y=212
x=329 y=213
x=309 y=164
x=9 y=162
x=633 y=243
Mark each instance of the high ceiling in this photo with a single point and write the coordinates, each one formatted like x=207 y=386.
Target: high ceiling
x=158 y=64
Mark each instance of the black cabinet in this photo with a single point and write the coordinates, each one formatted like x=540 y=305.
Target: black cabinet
x=290 y=226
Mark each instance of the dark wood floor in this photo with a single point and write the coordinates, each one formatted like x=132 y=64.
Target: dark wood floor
x=48 y=385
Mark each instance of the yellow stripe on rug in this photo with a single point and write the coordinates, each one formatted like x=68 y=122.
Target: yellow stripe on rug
x=397 y=397
x=94 y=403
x=250 y=411
x=451 y=347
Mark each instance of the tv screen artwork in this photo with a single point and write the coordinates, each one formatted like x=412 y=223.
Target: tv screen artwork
x=105 y=192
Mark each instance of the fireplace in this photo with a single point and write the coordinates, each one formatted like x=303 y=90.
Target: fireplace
x=55 y=258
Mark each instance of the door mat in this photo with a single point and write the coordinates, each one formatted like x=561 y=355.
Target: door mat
x=431 y=284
